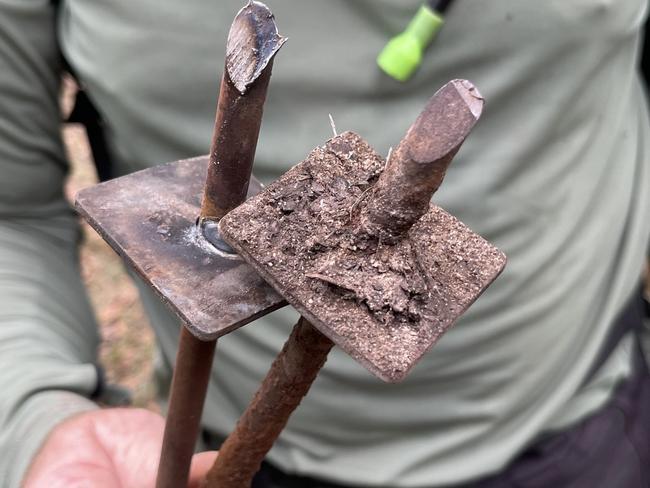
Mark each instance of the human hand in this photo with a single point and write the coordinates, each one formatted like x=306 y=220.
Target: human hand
x=118 y=447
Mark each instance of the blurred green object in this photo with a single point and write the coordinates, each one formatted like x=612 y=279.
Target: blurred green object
x=403 y=54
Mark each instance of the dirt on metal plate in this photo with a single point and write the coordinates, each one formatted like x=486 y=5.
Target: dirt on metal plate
x=149 y=219
x=386 y=305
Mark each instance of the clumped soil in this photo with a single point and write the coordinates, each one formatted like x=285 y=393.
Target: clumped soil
x=384 y=303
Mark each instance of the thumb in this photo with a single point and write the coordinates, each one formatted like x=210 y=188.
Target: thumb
x=201 y=464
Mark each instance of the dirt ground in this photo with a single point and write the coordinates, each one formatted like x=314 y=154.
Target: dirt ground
x=127 y=339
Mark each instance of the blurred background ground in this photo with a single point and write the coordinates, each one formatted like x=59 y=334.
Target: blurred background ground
x=127 y=340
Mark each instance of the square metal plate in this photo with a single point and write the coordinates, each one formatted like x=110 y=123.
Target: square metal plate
x=385 y=306
x=149 y=219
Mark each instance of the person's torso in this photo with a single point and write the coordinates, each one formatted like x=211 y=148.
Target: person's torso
x=555 y=174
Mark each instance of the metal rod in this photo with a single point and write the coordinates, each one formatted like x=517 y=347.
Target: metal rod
x=413 y=174
x=417 y=166
x=287 y=382
x=189 y=387
x=253 y=41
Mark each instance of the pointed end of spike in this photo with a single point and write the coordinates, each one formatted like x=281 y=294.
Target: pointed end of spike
x=253 y=41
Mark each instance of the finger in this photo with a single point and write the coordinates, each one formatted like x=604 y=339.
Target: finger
x=201 y=463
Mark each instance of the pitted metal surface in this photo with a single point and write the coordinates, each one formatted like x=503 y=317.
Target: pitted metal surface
x=149 y=219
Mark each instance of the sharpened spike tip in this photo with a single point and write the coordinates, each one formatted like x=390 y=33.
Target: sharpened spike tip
x=417 y=166
x=253 y=40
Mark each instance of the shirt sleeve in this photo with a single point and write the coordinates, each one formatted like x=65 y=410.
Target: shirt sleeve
x=48 y=337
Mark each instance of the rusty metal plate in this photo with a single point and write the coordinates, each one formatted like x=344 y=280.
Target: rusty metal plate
x=149 y=219
x=385 y=306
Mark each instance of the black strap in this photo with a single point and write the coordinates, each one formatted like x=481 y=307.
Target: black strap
x=645 y=56
x=85 y=113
